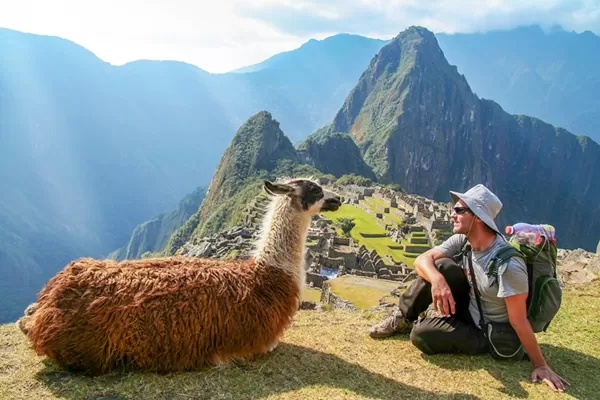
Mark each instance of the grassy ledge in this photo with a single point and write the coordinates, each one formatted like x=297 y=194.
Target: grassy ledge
x=329 y=355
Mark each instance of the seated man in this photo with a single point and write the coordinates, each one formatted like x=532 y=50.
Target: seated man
x=446 y=286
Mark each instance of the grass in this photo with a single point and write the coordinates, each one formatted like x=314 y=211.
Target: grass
x=406 y=242
x=367 y=223
x=371 y=202
x=377 y=201
x=363 y=296
x=329 y=355
x=311 y=294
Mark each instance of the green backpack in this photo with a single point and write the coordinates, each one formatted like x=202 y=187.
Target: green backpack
x=545 y=293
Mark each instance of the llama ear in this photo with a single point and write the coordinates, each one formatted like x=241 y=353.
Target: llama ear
x=277 y=188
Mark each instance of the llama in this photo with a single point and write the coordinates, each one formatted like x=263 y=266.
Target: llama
x=180 y=313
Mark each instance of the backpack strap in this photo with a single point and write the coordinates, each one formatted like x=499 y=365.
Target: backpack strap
x=502 y=256
x=475 y=288
x=460 y=256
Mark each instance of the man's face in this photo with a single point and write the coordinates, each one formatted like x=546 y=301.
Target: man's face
x=462 y=217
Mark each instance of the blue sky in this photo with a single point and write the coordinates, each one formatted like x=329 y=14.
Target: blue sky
x=229 y=34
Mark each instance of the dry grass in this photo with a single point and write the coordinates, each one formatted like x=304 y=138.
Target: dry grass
x=328 y=355
x=363 y=292
x=311 y=294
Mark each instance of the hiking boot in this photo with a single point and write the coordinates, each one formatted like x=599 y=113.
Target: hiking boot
x=395 y=323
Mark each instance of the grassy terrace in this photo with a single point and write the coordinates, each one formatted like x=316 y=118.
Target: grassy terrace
x=367 y=223
x=363 y=292
x=372 y=201
x=311 y=294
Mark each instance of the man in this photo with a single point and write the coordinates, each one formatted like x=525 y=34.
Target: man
x=447 y=287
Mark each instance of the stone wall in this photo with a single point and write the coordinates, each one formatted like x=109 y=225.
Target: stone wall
x=332 y=262
x=348 y=259
x=374 y=235
x=328 y=297
x=371 y=264
x=315 y=280
x=343 y=241
x=359 y=272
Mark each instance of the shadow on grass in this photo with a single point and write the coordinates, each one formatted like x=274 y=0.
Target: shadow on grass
x=577 y=368
x=289 y=368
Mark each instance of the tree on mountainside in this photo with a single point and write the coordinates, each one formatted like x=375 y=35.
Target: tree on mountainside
x=346 y=225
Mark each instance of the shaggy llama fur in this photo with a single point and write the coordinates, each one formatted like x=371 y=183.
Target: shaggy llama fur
x=179 y=313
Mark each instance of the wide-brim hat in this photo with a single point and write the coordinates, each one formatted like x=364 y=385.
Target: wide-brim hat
x=482 y=202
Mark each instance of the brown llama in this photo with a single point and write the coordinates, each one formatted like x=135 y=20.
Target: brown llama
x=180 y=313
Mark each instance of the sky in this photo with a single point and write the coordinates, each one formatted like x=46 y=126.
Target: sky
x=223 y=35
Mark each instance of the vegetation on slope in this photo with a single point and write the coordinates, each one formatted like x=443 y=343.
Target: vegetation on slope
x=152 y=236
x=258 y=151
x=333 y=153
x=367 y=224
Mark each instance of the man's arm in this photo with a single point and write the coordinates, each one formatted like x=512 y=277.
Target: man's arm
x=441 y=295
x=513 y=288
x=517 y=315
x=425 y=267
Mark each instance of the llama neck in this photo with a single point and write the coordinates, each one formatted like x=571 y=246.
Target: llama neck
x=283 y=237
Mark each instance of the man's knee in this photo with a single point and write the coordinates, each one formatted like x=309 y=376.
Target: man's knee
x=422 y=336
x=447 y=265
x=451 y=271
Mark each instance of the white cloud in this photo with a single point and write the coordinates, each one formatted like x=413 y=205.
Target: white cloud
x=228 y=34
x=213 y=36
x=387 y=18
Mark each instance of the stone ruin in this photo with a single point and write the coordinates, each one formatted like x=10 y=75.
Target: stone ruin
x=372 y=265
x=237 y=242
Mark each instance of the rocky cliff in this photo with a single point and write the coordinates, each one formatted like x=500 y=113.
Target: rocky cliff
x=418 y=124
x=152 y=236
x=551 y=74
x=333 y=153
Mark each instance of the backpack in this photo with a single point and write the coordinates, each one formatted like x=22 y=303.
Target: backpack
x=545 y=293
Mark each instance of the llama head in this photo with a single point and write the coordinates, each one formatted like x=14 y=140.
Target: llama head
x=305 y=194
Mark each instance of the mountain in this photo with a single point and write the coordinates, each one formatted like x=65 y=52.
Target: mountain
x=152 y=235
x=333 y=52
x=418 y=124
x=258 y=151
x=552 y=75
x=333 y=153
x=304 y=87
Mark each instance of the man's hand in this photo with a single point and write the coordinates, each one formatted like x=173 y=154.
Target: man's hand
x=443 y=301
x=550 y=377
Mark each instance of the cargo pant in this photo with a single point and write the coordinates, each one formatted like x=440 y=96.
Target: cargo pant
x=454 y=334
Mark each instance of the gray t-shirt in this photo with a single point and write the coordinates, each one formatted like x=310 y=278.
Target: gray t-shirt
x=512 y=278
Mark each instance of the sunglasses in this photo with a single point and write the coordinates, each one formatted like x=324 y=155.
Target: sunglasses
x=461 y=210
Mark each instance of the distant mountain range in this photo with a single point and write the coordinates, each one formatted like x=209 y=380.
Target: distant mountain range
x=90 y=151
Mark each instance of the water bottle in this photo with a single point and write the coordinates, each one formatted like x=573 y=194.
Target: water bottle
x=532 y=234
x=528 y=238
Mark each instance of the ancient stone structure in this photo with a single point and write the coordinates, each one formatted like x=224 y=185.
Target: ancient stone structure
x=235 y=242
